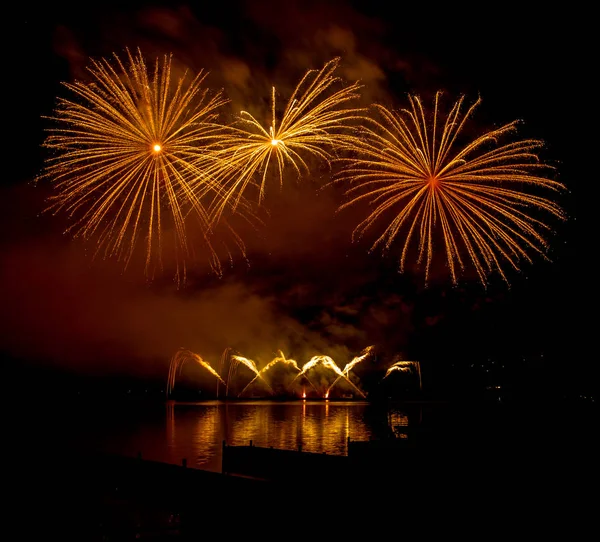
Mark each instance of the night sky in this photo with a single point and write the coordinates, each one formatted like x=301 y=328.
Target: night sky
x=306 y=288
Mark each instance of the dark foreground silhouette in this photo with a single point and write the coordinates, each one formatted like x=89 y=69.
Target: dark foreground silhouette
x=495 y=474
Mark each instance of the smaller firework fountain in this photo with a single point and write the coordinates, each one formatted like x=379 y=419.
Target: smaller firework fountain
x=406 y=367
x=319 y=378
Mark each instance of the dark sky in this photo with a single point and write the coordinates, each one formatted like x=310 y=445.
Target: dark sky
x=306 y=289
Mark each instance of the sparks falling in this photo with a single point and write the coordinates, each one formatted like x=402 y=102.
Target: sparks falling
x=473 y=199
x=316 y=121
x=349 y=366
x=236 y=361
x=318 y=366
x=280 y=359
x=179 y=359
x=127 y=150
x=405 y=367
x=328 y=363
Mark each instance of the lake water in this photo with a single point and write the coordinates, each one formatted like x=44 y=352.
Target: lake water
x=172 y=432
x=549 y=461
x=195 y=432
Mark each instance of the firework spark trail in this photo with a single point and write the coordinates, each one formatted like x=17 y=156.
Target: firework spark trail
x=405 y=367
x=233 y=361
x=225 y=358
x=315 y=123
x=282 y=359
x=129 y=152
x=349 y=366
x=329 y=363
x=176 y=365
x=237 y=360
x=279 y=359
x=313 y=362
x=411 y=165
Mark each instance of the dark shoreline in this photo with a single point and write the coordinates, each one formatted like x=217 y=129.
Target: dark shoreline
x=504 y=461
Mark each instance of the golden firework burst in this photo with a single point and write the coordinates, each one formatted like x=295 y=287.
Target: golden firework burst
x=129 y=150
x=315 y=122
x=470 y=201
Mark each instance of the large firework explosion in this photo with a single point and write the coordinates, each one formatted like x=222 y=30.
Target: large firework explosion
x=137 y=154
x=470 y=201
x=315 y=123
x=128 y=153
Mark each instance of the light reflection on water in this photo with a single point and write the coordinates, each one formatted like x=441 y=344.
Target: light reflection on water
x=171 y=432
x=195 y=432
x=198 y=431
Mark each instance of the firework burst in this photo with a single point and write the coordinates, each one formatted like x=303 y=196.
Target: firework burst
x=315 y=122
x=127 y=150
x=470 y=202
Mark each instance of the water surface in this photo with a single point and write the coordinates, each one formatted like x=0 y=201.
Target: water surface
x=172 y=432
